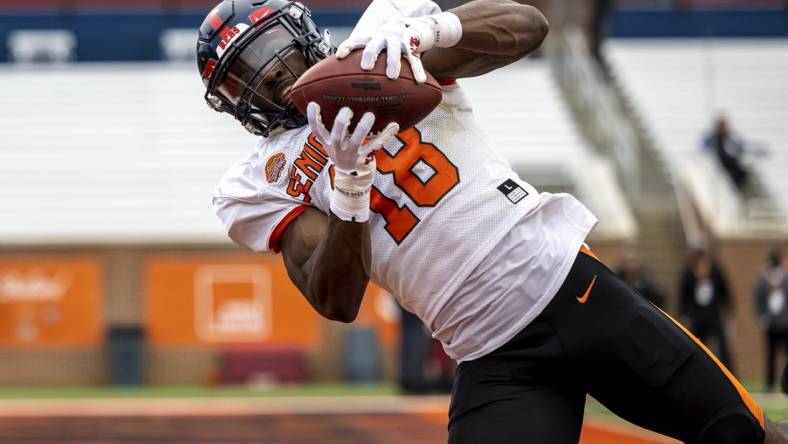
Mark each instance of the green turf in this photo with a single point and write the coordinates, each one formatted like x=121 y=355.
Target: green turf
x=775 y=411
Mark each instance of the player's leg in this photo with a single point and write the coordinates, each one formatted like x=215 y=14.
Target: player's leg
x=724 y=350
x=517 y=394
x=702 y=331
x=645 y=367
x=784 y=376
x=771 y=351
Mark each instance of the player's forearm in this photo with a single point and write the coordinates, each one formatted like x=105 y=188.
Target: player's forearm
x=500 y=27
x=339 y=270
x=495 y=33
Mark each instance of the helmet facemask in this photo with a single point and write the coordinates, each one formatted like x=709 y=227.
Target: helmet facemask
x=253 y=78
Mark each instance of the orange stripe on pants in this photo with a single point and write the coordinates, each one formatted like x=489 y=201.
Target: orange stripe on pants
x=587 y=251
x=752 y=406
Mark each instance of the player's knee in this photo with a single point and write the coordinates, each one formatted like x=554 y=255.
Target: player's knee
x=736 y=428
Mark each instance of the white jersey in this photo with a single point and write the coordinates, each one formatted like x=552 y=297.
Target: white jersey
x=443 y=198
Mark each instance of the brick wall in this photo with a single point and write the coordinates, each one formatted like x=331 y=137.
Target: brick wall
x=743 y=261
x=124 y=306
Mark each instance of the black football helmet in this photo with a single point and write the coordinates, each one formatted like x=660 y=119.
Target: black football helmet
x=250 y=53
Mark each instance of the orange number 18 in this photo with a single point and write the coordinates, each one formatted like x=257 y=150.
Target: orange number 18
x=400 y=221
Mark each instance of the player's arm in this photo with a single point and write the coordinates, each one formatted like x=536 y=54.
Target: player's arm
x=328 y=257
x=328 y=260
x=495 y=33
x=469 y=40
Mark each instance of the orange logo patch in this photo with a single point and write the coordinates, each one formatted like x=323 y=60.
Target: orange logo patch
x=583 y=299
x=275 y=167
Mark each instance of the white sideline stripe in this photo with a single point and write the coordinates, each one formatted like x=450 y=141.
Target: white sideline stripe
x=229 y=407
x=222 y=407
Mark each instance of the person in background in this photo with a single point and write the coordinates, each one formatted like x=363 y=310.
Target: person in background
x=770 y=294
x=631 y=270
x=415 y=346
x=601 y=10
x=784 y=380
x=424 y=367
x=706 y=301
x=729 y=149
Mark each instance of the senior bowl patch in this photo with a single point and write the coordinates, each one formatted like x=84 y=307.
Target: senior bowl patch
x=275 y=167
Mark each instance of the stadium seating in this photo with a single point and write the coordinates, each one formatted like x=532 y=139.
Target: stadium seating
x=679 y=86
x=130 y=152
x=522 y=110
x=524 y=113
x=156 y=5
x=120 y=152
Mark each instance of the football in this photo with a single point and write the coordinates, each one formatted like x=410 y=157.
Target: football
x=335 y=83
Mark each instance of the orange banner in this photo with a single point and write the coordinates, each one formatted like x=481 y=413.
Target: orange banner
x=50 y=303
x=243 y=299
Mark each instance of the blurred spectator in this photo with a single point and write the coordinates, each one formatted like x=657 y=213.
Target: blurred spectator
x=638 y=277
x=770 y=293
x=784 y=380
x=414 y=350
x=705 y=301
x=424 y=366
x=729 y=149
x=600 y=18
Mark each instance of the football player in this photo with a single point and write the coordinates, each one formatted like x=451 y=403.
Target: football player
x=435 y=215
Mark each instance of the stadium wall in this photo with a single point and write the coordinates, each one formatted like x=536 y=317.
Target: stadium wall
x=743 y=260
x=121 y=295
x=125 y=36
x=637 y=23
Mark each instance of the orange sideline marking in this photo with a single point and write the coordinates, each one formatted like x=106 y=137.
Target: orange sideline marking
x=595 y=432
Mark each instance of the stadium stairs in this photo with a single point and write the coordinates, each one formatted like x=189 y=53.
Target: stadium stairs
x=648 y=114
x=701 y=79
x=607 y=121
x=536 y=132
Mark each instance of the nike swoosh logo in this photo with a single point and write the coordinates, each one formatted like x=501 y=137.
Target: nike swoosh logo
x=585 y=296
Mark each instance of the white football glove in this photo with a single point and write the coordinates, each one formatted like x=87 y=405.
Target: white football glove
x=353 y=158
x=410 y=36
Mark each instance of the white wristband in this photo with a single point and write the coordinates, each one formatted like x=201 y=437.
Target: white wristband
x=350 y=200
x=447 y=29
x=348 y=208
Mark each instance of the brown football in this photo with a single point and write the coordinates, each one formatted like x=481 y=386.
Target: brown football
x=334 y=84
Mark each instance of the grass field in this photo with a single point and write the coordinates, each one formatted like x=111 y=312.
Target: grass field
x=239 y=415
x=775 y=405
x=235 y=415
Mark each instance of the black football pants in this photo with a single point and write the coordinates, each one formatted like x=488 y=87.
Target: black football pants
x=614 y=345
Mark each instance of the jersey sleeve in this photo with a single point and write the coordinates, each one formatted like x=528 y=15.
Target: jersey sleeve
x=454 y=97
x=253 y=211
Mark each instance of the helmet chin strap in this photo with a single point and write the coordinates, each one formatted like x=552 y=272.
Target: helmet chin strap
x=286 y=119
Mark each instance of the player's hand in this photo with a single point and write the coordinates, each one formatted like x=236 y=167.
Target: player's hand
x=351 y=154
x=353 y=157
x=409 y=37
